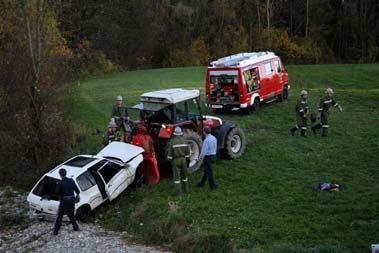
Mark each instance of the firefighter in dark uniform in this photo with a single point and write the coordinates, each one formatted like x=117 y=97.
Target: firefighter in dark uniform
x=65 y=191
x=112 y=134
x=301 y=113
x=179 y=154
x=325 y=103
x=120 y=115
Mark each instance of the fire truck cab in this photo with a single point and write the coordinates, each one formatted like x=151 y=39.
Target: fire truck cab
x=243 y=81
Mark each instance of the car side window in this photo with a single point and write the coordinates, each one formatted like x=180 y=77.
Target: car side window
x=85 y=181
x=268 y=69
x=109 y=171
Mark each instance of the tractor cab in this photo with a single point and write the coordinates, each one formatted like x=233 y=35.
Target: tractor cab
x=163 y=110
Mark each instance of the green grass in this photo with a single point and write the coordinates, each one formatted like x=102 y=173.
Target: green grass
x=265 y=201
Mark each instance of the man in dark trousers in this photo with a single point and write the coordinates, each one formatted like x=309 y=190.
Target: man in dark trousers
x=65 y=191
x=208 y=156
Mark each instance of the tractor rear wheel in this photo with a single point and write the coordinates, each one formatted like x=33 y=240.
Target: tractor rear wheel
x=235 y=143
x=195 y=142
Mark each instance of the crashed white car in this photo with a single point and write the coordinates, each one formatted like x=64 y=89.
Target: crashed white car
x=99 y=178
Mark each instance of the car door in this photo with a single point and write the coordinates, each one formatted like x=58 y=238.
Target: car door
x=115 y=179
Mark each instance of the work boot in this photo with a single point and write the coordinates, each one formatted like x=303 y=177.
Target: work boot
x=293 y=130
x=315 y=127
x=324 y=132
x=303 y=132
x=178 y=189
x=185 y=187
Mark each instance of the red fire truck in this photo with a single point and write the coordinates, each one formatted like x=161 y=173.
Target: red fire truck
x=243 y=81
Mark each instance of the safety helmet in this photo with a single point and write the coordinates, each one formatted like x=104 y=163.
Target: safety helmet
x=178 y=131
x=329 y=91
x=303 y=93
x=141 y=129
x=119 y=98
x=112 y=124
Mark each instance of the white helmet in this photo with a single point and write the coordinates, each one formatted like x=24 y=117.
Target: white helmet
x=112 y=124
x=119 y=98
x=329 y=91
x=178 y=131
x=303 y=93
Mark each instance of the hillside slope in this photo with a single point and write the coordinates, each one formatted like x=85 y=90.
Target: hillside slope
x=265 y=200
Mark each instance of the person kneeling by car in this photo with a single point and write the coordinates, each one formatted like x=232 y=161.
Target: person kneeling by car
x=65 y=191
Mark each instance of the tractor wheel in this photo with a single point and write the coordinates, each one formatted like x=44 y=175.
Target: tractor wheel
x=83 y=212
x=235 y=143
x=195 y=142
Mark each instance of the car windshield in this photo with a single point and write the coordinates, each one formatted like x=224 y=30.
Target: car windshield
x=46 y=188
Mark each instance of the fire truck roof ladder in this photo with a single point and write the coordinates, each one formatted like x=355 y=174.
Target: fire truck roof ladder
x=241 y=59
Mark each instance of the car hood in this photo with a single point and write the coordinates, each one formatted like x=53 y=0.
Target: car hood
x=121 y=151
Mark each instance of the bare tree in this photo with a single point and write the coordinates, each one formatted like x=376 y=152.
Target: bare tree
x=307 y=20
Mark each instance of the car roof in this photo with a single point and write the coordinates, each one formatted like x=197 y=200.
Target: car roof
x=116 y=151
x=242 y=59
x=169 y=96
x=73 y=171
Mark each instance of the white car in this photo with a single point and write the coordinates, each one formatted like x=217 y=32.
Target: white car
x=99 y=178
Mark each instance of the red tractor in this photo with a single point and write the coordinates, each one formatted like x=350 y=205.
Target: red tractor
x=161 y=111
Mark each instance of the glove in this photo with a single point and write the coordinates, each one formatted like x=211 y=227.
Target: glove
x=340 y=108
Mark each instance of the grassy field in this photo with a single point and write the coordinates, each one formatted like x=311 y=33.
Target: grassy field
x=265 y=201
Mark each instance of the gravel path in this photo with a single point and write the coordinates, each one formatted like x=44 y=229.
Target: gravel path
x=31 y=235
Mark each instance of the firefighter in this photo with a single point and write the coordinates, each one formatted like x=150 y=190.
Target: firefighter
x=325 y=103
x=120 y=115
x=112 y=134
x=301 y=113
x=178 y=154
x=149 y=166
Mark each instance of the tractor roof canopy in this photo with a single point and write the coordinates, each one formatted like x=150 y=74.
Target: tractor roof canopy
x=158 y=100
x=169 y=96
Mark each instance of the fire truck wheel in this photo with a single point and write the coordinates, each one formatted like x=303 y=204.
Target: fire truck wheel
x=284 y=94
x=195 y=142
x=256 y=104
x=235 y=143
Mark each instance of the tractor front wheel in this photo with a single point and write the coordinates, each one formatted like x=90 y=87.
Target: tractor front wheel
x=235 y=143
x=195 y=142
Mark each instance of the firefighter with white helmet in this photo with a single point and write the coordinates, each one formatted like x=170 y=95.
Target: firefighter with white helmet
x=112 y=134
x=120 y=114
x=178 y=153
x=301 y=110
x=325 y=103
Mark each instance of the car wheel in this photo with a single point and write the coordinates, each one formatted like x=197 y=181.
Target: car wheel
x=235 y=143
x=256 y=104
x=82 y=213
x=195 y=142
